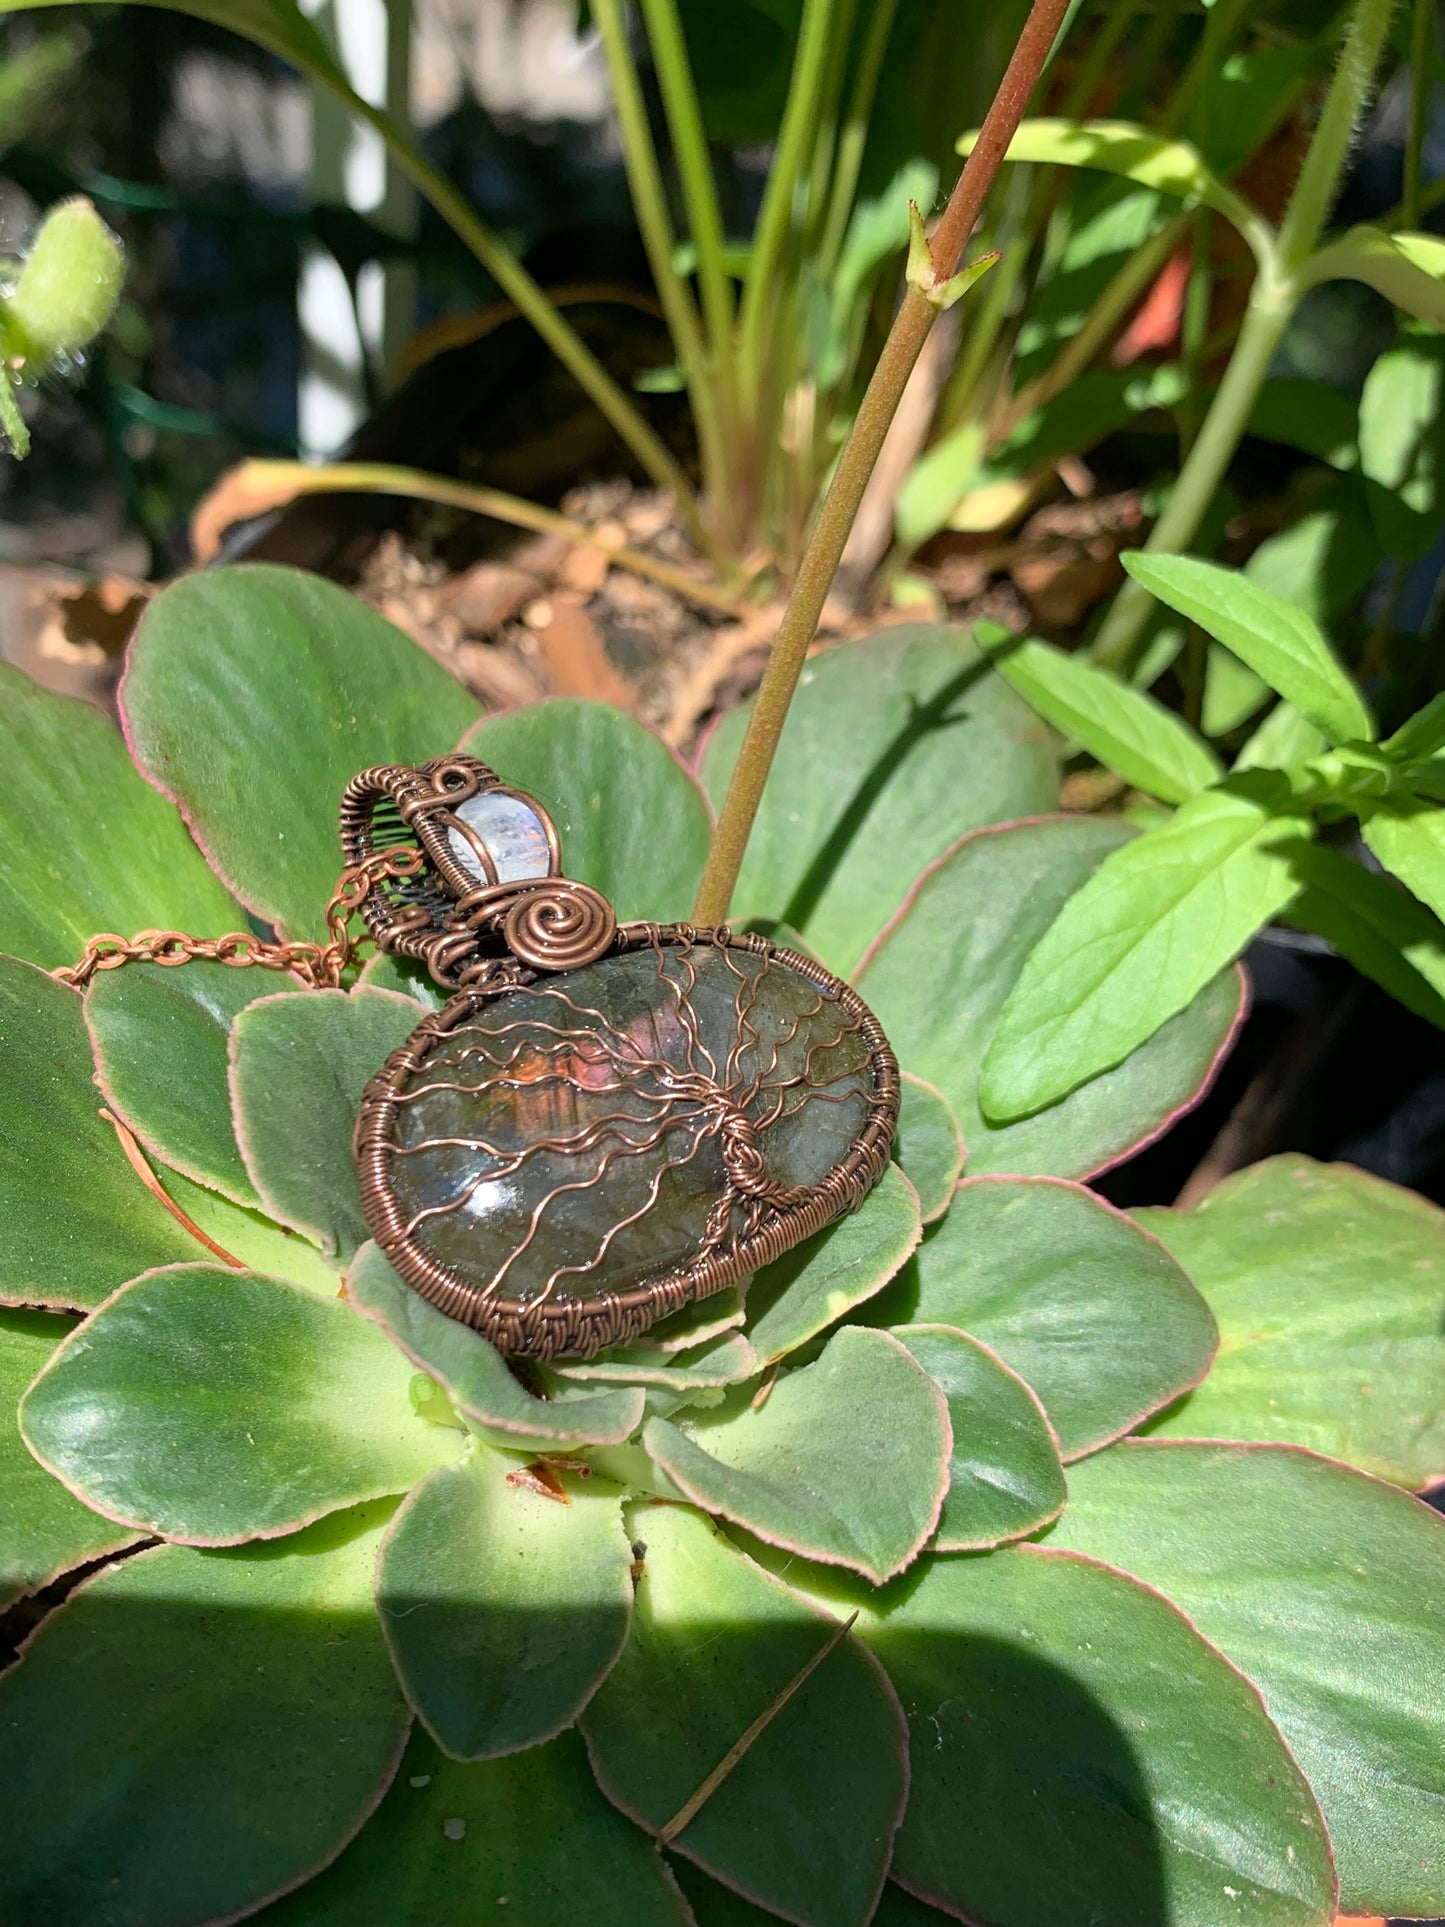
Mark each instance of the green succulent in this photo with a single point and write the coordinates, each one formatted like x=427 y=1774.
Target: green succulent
x=332 y=1618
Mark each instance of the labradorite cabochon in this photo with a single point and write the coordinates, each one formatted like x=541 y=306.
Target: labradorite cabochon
x=565 y=1139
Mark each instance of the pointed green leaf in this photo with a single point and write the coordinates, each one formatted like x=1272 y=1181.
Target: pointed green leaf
x=44 y=1531
x=632 y=822
x=83 y=853
x=526 y=1839
x=1121 y=727
x=1329 y=1289
x=1402 y=443
x=1409 y=839
x=964 y=936
x=816 y=1283
x=1383 y=930
x=504 y=1608
x=253 y=695
x=160 y=1037
x=1004 y=1476
x=1080 y=1753
x=193 y=1733
x=299 y=1064
x=893 y=748
x=214 y=1406
x=1421 y=735
x=1408 y=269
x=1122 y=147
x=1325 y=1587
x=1281 y=741
x=804 y=1822
x=78 y=1222
x=1093 y=1314
x=275 y=24
x=475 y=1376
x=1137 y=943
x=1277 y=641
x=845 y=1461
x=929 y=1147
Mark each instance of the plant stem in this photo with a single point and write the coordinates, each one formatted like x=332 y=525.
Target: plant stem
x=1421 y=23
x=1272 y=302
x=649 y=202
x=564 y=341
x=699 y=187
x=265 y=484
x=775 y=217
x=854 y=137
x=916 y=314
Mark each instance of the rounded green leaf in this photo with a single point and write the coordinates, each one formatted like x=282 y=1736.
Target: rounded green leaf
x=78 y=1222
x=1004 y=1476
x=44 y=1531
x=1325 y=1587
x=527 y=1840
x=160 y=1037
x=816 y=1283
x=195 y=1732
x=929 y=1145
x=474 y=1374
x=1329 y=1289
x=941 y=973
x=727 y=1360
x=253 y=695
x=893 y=748
x=86 y=845
x=804 y=1822
x=503 y=1608
x=214 y=1406
x=845 y=1461
x=299 y=1064
x=632 y=822
x=1092 y=1312
x=251 y=1238
x=1079 y=1753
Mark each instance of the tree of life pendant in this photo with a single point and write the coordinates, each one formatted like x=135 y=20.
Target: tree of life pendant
x=604 y=1123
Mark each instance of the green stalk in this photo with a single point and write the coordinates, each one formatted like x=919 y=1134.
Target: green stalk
x=1272 y=302
x=531 y=302
x=915 y=316
x=1421 y=23
x=649 y=202
x=775 y=218
x=854 y=138
x=699 y=187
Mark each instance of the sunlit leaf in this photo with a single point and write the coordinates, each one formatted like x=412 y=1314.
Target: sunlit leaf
x=503 y=1607
x=214 y=1406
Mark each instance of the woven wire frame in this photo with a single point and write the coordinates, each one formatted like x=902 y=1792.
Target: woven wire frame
x=561 y=1326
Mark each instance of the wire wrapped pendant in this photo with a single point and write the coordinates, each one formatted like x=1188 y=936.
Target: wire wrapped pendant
x=604 y=1123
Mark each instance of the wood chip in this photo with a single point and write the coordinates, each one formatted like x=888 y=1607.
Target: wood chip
x=576 y=658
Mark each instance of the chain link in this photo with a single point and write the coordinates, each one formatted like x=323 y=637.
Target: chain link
x=319 y=966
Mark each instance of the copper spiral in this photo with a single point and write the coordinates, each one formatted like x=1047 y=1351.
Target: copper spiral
x=560 y=925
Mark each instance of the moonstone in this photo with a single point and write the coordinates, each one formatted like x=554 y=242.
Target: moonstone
x=512 y=831
x=566 y=1140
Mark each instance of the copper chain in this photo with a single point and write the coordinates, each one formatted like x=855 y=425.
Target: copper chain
x=319 y=966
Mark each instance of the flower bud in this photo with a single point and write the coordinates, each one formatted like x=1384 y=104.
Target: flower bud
x=68 y=287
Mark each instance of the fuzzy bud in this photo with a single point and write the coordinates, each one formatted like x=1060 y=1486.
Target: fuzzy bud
x=69 y=284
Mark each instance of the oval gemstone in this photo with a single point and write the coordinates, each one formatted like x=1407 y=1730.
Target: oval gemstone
x=512 y=831
x=607 y=1126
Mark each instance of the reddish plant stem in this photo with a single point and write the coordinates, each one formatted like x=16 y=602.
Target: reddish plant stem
x=916 y=315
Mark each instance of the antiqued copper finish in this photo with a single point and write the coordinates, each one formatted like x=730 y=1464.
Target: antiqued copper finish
x=755 y=1218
